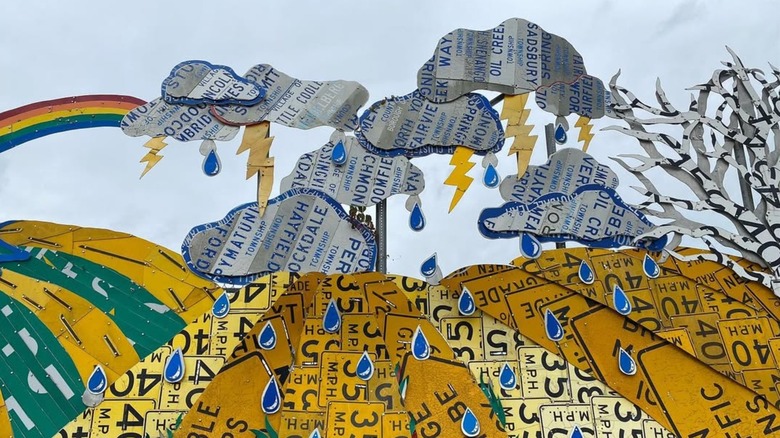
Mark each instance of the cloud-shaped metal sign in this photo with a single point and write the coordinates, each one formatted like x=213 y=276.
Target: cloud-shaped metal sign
x=302 y=230
x=297 y=103
x=363 y=179
x=586 y=97
x=516 y=57
x=196 y=82
x=564 y=172
x=413 y=126
x=182 y=122
x=591 y=213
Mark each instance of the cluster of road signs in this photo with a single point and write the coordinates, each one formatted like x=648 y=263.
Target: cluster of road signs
x=515 y=57
x=637 y=345
x=111 y=335
x=77 y=300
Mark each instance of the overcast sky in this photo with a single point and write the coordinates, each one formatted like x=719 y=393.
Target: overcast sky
x=55 y=49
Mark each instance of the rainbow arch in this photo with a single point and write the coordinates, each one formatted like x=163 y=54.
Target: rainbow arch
x=40 y=119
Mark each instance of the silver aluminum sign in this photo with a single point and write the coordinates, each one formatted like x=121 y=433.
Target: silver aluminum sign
x=302 y=230
x=564 y=172
x=592 y=213
x=194 y=82
x=586 y=97
x=516 y=57
x=297 y=103
x=182 y=122
x=364 y=179
x=413 y=126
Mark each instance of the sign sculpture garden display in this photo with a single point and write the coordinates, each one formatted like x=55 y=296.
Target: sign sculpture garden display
x=272 y=322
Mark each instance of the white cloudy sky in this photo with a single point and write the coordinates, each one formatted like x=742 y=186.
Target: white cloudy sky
x=55 y=49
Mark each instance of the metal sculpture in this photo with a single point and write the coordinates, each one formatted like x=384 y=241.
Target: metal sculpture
x=72 y=314
x=516 y=57
x=735 y=133
x=302 y=230
x=360 y=179
x=297 y=103
x=571 y=197
x=411 y=126
x=200 y=82
x=578 y=342
x=202 y=101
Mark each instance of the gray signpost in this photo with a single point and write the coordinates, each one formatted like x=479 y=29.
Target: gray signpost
x=381 y=236
x=549 y=139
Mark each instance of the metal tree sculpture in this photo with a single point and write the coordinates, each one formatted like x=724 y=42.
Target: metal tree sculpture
x=711 y=144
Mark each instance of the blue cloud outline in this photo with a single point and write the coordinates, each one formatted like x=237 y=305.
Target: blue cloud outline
x=241 y=280
x=482 y=104
x=607 y=242
x=195 y=101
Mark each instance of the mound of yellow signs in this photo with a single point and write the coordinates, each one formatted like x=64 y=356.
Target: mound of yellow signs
x=80 y=307
x=579 y=342
x=406 y=357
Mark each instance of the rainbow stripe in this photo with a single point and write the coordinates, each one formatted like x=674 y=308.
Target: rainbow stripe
x=39 y=119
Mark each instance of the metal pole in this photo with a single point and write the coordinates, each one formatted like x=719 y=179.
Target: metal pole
x=747 y=196
x=381 y=236
x=549 y=139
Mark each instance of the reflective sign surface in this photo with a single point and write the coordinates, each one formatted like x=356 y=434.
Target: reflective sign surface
x=515 y=57
x=297 y=103
x=182 y=122
x=363 y=179
x=196 y=82
x=303 y=230
x=412 y=126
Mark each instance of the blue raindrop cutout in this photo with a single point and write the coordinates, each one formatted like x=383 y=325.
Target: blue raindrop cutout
x=529 y=246
x=560 y=134
x=331 y=321
x=97 y=382
x=271 y=401
x=417 y=218
x=421 y=349
x=315 y=433
x=552 y=326
x=491 y=177
x=365 y=367
x=428 y=267
x=469 y=424
x=267 y=338
x=174 y=367
x=620 y=300
x=339 y=154
x=576 y=433
x=650 y=267
x=626 y=363
x=221 y=306
x=466 y=305
x=586 y=273
x=211 y=164
x=507 y=379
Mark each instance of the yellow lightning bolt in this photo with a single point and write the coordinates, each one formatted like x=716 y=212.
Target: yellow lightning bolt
x=458 y=178
x=258 y=143
x=156 y=144
x=584 y=124
x=514 y=112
